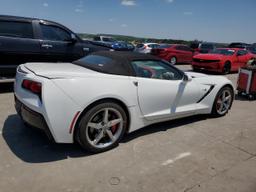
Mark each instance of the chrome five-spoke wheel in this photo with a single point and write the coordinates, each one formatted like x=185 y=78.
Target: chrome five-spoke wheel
x=223 y=101
x=102 y=127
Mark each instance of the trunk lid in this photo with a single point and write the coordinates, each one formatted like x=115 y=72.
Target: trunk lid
x=58 y=70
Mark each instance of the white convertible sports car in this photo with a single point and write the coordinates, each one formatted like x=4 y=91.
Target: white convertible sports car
x=99 y=98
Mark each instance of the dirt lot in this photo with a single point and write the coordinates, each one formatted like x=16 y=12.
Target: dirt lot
x=197 y=154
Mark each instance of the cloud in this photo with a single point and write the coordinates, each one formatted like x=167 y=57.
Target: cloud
x=80 y=4
x=128 y=2
x=79 y=7
x=187 y=13
x=78 y=10
x=124 y=25
x=111 y=20
x=169 y=1
x=45 y=4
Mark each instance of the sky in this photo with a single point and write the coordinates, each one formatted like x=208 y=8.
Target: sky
x=208 y=20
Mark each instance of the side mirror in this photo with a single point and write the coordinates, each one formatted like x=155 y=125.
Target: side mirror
x=187 y=78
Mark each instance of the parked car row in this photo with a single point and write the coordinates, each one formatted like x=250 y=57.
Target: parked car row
x=25 y=40
x=146 y=47
x=203 y=56
x=112 y=43
x=222 y=60
x=174 y=53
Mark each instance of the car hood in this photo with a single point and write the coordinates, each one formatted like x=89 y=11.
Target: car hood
x=58 y=70
x=209 y=56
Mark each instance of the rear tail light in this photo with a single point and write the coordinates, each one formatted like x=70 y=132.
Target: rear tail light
x=32 y=86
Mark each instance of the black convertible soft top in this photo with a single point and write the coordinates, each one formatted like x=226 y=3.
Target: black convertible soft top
x=113 y=62
x=125 y=55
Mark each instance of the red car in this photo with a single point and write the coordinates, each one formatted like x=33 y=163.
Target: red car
x=174 y=53
x=222 y=60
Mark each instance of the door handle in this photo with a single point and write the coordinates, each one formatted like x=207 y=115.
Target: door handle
x=47 y=46
x=86 y=49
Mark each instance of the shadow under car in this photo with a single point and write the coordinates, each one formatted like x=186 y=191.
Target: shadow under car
x=32 y=146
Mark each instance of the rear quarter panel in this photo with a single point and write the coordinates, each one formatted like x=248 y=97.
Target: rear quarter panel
x=56 y=107
x=87 y=90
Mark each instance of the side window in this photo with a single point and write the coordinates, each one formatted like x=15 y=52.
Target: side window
x=156 y=70
x=156 y=46
x=179 y=48
x=153 y=46
x=242 y=52
x=16 y=29
x=54 y=33
x=139 y=45
x=185 y=48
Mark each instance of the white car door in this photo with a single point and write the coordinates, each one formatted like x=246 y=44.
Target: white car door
x=162 y=92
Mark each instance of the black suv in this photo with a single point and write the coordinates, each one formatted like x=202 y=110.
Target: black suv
x=250 y=47
x=239 y=45
x=33 y=40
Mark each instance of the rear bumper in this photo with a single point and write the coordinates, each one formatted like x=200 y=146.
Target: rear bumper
x=32 y=118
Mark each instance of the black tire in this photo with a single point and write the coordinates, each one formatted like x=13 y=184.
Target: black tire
x=251 y=97
x=81 y=133
x=226 y=68
x=240 y=93
x=196 y=69
x=215 y=112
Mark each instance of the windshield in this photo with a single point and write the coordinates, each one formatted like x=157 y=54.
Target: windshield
x=223 y=51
